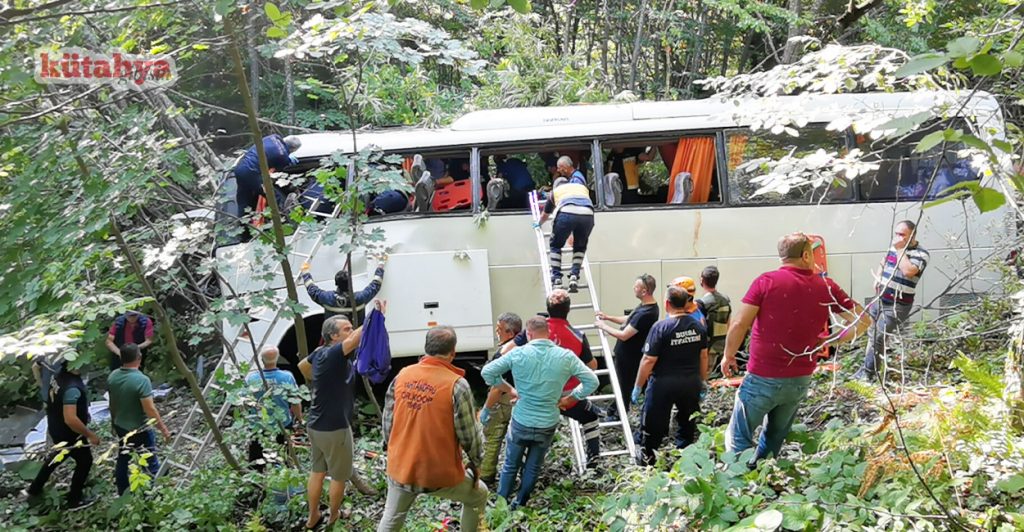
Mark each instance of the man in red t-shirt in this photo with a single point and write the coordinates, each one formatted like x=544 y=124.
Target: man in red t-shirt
x=788 y=308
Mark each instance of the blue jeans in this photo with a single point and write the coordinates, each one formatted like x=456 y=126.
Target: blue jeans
x=767 y=401
x=565 y=224
x=142 y=441
x=533 y=444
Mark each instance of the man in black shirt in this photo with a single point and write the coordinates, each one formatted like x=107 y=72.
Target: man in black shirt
x=674 y=368
x=632 y=334
x=67 y=416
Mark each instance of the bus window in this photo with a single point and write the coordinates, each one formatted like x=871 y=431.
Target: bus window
x=904 y=174
x=680 y=170
x=743 y=145
x=509 y=174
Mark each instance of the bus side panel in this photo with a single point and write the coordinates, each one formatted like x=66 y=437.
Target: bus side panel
x=438 y=288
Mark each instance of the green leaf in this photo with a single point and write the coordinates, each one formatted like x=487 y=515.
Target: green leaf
x=985 y=65
x=963 y=47
x=930 y=141
x=274 y=32
x=1011 y=485
x=521 y=6
x=975 y=142
x=223 y=7
x=478 y=4
x=921 y=63
x=1002 y=145
x=952 y=197
x=1012 y=59
x=273 y=13
x=988 y=199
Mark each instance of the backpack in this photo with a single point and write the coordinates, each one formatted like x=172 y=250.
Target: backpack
x=373 y=359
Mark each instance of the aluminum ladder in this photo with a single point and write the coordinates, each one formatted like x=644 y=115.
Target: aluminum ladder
x=602 y=349
x=186 y=451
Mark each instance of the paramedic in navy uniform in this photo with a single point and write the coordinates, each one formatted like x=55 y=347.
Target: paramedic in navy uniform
x=674 y=368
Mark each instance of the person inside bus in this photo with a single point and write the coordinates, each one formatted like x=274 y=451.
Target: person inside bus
x=626 y=163
x=247 y=172
x=520 y=182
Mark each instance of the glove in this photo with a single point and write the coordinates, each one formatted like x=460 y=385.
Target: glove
x=536 y=225
x=485 y=415
x=635 y=396
x=703 y=391
x=294 y=160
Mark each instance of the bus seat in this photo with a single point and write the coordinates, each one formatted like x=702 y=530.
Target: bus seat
x=612 y=189
x=680 y=188
x=454 y=196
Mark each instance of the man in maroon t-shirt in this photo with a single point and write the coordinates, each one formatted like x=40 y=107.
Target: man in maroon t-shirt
x=788 y=308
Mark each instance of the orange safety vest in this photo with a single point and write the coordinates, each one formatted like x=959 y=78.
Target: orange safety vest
x=423 y=449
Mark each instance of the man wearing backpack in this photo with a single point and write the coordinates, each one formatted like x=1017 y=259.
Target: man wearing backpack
x=429 y=421
x=67 y=414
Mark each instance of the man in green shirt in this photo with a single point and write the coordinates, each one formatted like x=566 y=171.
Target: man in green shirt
x=131 y=407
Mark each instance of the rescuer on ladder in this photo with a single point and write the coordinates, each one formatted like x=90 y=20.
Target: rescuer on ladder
x=570 y=205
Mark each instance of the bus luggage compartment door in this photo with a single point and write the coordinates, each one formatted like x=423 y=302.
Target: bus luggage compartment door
x=438 y=288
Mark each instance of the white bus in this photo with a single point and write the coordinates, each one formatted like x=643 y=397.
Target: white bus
x=448 y=269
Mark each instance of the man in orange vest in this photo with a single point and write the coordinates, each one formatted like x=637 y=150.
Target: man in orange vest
x=429 y=421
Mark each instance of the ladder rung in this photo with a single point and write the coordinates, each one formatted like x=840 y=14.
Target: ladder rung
x=581 y=305
x=172 y=463
x=604 y=424
x=297 y=254
x=586 y=327
x=191 y=438
x=604 y=397
x=601 y=372
x=215 y=386
x=616 y=452
x=321 y=214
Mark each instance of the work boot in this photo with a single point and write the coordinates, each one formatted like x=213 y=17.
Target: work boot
x=424 y=193
x=82 y=503
x=556 y=283
x=866 y=376
x=574 y=284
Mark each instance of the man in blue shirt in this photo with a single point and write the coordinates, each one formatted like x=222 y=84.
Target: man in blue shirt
x=247 y=172
x=279 y=412
x=540 y=370
x=331 y=376
x=520 y=182
x=336 y=302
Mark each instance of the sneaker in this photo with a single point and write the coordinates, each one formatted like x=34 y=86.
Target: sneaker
x=574 y=284
x=556 y=283
x=290 y=202
x=612 y=417
x=82 y=503
x=418 y=167
x=424 y=193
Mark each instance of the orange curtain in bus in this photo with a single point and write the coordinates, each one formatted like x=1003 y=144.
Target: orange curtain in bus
x=695 y=155
x=734 y=150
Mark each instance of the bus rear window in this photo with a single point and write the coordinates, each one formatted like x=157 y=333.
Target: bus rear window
x=743 y=146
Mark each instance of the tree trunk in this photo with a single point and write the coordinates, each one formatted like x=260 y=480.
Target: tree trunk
x=604 y=32
x=251 y=27
x=1013 y=380
x=268 y=185
x=636 y=45
x=289 y=90
x=747 y=51
x=796 y=29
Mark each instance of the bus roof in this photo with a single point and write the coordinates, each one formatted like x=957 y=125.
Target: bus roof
x=529 y=125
